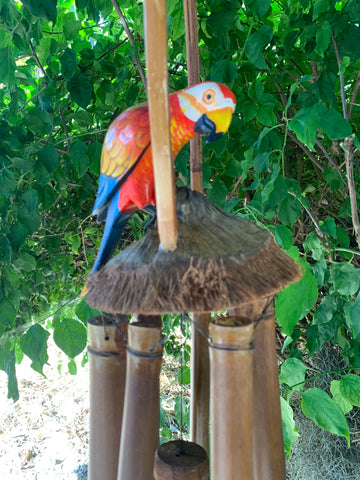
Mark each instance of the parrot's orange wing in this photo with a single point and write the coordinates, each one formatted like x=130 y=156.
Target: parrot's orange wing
x=125 y=143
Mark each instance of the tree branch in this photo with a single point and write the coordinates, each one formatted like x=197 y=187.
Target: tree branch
x=349 y=148
x=341 y=77
x=131 y=40
x=354 y=93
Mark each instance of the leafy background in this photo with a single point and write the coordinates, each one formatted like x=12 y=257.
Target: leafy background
x=290 y=163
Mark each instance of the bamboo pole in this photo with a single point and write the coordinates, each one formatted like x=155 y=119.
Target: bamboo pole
x=268 y=435
x=200 y=381
x=107 y=362
x=140 y=431
x=179 y=460
x=156 y=61
x=200 y=376
x=231 y=391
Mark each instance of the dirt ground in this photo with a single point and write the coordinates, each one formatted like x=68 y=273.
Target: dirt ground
x=45 y=434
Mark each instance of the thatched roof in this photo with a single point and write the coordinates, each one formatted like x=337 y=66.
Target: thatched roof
x=221 y=262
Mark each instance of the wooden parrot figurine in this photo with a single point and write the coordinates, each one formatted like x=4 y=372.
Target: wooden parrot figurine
x=127 y=179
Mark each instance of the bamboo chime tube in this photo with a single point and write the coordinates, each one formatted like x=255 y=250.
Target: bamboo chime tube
x=268 y=436
x=179 y=460
x=231 y=390
x=140 y=430
x=107 y=363
x=200 y=381
x=156 y=60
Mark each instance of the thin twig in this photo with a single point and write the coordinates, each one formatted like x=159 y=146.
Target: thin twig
x=306 y=150
x=65 y=127
x=349 y=148
x=341 y=76
x=353 y=95
x=131 y=40
x=329 y=159
x=37 y=58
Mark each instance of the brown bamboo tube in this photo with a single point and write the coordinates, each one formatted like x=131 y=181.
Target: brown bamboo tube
x=268 y=435
x=107 y=363
x=231 y=388
x=156 y=61
x=200 y=381
x=179 y=460
x=140 y=431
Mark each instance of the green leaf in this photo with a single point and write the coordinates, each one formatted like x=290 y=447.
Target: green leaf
x=333 y=123
x=255 y=46
x=353 y=319
x=288 y=425
x=80 y=89
x=345 y=278
x=49 y=157
x=324 y=412
x=34 y=345
x=332 y=178
x=224 y=71
x=295 y=301
x=283 y=236
x=289 y=210
x=350 y=388
x=70 y=335
x=304 y=124
x=7 y=66
x=181 y=410
x=42 y=8
x=71 y=29
x=292 y=373
x=261 y=162
x=84 y=312
x=25 y=262
x=323 y=37
x=7 y=313
x=68 y=63
x=72 y=367
x=5 y=250
x=338 y=398
x=325 y=310
x=13 y=391
x=79 y=158
x=183 y=376
x=7 y=182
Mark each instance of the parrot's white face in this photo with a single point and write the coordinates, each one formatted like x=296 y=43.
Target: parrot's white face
x=210 y=105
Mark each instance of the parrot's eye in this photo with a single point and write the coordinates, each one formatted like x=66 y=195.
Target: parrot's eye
x=208 y=96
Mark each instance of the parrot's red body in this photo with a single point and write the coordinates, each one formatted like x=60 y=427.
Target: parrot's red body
x=127 y=179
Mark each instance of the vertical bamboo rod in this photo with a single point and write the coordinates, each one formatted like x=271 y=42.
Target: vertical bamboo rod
x=200 y=376
x=231 y=392
x=156 y=61
x=179 y=460
x=268 y=435
x=140 y=430
x=192 y=60
x=200 y=381
x=107 y=362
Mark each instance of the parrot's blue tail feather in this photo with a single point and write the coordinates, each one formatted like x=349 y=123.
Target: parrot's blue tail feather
x=114 y=226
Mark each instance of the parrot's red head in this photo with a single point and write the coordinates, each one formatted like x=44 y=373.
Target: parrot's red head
x=210 y=106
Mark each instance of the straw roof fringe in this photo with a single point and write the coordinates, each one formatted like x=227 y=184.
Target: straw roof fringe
x=221 y=262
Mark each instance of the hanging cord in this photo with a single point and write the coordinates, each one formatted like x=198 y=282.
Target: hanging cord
x=263 y=315
x=114 y=322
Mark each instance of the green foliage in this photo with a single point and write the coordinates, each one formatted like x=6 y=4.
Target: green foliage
x=67 y=69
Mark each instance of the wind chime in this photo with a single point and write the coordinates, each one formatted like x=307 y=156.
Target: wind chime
x=209 y=261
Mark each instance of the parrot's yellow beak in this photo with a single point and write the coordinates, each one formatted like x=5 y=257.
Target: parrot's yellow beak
x=221 y=118
x=215 y=123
